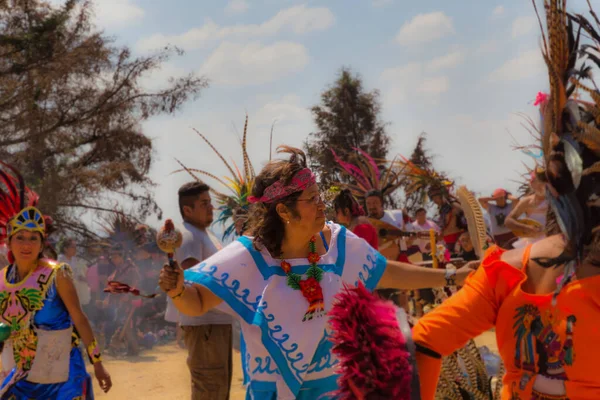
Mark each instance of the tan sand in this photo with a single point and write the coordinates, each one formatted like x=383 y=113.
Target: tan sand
x=162 y=374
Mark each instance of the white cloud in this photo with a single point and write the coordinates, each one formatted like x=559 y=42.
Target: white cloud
x=525 y=65
x=381 y=3
x=236 y=6
x=425 y=28
x=450 y=60
x=498 y=11
x=283 y=111
x=254 y=63
x=297 y=20
x=411 y=81
x=523 y=25
x=434 y=86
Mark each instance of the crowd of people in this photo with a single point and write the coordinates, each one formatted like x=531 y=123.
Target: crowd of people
x=292 y=254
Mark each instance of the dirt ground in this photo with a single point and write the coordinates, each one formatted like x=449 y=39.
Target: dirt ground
x=162 y=374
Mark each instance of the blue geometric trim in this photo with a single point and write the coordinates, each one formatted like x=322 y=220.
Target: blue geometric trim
x=323 y=356
x=267 y=270
x=374 y=272
x=254 y=314
x=311 y=390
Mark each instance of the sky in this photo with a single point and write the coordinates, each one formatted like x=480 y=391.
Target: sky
x=462 y=71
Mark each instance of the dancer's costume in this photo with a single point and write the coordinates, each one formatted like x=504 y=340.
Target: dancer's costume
x=286 y=357
x=427 y=182
x=548 y=348
x=43 y=346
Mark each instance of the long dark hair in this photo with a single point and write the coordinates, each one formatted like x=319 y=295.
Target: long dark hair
x=264 y=222
x=345 y=200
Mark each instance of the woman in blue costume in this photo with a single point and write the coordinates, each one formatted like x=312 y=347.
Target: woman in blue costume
x=39 y=302
x=280 y=282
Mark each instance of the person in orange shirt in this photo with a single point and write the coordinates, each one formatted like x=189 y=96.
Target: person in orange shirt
x=536 y=297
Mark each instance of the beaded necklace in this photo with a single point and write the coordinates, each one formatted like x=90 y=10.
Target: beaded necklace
x=310 y=286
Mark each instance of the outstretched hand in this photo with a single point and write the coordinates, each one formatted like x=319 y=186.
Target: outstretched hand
x=463 y=272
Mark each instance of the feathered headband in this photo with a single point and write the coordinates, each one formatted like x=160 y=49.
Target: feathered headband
x=368 y=174
x=15 y=196
x=425 y=181
x=240 y=184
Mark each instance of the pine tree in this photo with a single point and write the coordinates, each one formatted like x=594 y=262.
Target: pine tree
x=347 y=117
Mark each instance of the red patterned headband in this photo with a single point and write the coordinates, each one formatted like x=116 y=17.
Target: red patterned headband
x=278 y=190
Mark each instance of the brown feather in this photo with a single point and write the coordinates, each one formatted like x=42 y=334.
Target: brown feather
x=216 y=151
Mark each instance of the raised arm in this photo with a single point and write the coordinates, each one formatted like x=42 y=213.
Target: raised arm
x=485 y=202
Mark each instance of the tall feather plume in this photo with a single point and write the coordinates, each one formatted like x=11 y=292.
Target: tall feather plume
x=239 y=184
x=248 y=170
x=373 y=167
x=14 y=196
x=216 y=151
x=354 y=171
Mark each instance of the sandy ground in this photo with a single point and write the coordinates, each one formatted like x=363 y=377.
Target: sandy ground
x=162 y=374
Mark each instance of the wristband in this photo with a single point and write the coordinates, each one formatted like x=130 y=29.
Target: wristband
x=179 y=294
x=450 y=277
x=94 y=352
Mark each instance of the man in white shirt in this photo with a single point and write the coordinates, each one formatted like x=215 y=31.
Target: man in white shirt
x=498 y=212
x=208 y=338
x=422 y=224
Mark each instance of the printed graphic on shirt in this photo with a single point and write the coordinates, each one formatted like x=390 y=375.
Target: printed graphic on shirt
x=540 y=352
x=500 y=218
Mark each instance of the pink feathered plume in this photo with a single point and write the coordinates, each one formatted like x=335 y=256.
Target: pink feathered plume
x=374 y=362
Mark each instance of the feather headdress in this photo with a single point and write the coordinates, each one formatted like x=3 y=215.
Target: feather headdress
x=424 y=181
x=238 y=183
x=368 y=174
x=570 y=127
x=122 y=233
x=14 y=196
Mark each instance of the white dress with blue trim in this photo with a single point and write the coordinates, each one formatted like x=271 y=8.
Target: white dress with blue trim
x=285 y=358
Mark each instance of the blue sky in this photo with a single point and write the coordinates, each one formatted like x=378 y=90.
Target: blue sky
x=460 y=71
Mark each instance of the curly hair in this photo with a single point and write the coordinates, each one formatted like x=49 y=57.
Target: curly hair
x=345 y=200
x=264 y=222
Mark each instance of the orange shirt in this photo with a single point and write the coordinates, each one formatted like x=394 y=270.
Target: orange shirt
x=550 y=352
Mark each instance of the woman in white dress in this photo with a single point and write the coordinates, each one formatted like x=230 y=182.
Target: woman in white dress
x=280 y=281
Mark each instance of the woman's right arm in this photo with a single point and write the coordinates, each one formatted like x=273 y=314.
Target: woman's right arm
x=193 y=300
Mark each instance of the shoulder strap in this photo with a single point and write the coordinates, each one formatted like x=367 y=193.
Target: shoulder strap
x=526 y=254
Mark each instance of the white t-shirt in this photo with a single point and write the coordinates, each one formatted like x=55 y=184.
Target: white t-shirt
x=198 y=244
x=497 y=217
x=416 y=227
x=79 y=277
x=393 y=217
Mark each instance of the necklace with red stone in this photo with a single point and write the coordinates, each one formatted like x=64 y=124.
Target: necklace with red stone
x=310 y=287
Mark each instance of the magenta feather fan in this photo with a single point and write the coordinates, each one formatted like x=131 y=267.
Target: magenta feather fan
x=373 y=359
